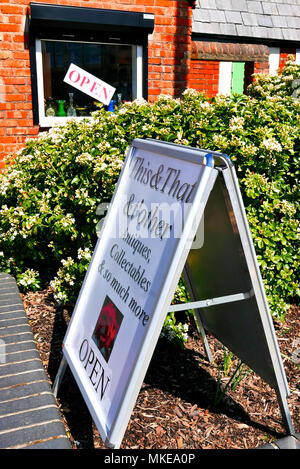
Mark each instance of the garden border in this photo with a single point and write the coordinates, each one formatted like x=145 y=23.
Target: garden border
x=29 y=415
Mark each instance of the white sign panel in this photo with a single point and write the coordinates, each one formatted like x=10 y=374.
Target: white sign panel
x=132 y=276
x=89 y=84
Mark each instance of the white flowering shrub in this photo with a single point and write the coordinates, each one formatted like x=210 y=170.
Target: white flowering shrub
x=174 y=331
x=29 y=280
x=50 y=194
x=66 y=282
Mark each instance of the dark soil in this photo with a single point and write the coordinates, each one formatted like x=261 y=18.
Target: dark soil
x=176 y=406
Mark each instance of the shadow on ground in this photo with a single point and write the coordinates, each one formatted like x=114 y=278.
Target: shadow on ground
x=174 y=371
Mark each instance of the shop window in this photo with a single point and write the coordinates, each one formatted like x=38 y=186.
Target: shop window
x=112 y=47
x=118 y=65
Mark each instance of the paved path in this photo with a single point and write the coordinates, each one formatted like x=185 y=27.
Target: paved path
x=29 y=416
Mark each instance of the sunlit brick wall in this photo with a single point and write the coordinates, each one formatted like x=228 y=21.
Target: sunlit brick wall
x=284 y=54
x=204 y=76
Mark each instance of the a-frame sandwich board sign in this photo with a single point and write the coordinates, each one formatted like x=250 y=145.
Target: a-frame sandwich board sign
x=146 y=236
x=145 y=245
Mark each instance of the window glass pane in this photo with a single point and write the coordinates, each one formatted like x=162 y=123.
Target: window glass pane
x=75 y=53
x=112 y=63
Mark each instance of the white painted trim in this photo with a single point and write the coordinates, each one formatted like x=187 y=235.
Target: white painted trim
x=139 y=71
x=225 y=78
x=298 y=56
x=274 y=54
x=40 y=81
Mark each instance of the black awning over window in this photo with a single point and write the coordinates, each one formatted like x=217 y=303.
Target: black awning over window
x=46 y=17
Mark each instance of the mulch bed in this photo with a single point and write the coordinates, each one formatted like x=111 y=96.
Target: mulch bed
x=176 y=407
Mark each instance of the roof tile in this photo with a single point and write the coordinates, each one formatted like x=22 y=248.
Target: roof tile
x=266 y=19
x=217 y=16
x=234 y=17
x=269 y=8
x=223 y=4
x=254 y=7
x=289 y=33
x=210 y=4
x=201 y=15
x=239 y=5
x=228 y=29
x=250 y=19
x=285 y=9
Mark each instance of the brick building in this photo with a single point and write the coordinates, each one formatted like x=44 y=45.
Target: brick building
x=241 y=37
x=141 y=47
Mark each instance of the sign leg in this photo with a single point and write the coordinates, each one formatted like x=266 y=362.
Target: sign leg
x=201 y=331
x=59 y=376
x=196 y=314
x=285 y=412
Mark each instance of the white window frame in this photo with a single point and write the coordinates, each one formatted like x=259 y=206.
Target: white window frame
x=137 y=80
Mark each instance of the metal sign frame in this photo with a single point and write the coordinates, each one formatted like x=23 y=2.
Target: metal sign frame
x=250 y=305
x=218 y=169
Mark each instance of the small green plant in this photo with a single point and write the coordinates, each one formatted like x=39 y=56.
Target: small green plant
x=174 y=329
x=239 y=374
x=227 y=360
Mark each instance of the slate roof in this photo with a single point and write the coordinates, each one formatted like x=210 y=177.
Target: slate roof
x=267 y=19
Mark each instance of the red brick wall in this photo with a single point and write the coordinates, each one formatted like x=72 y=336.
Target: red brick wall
x=204 y=76
x=261 y=67
x=169 y=48
x=15 y=89
x=284 y=53
x=168 y=58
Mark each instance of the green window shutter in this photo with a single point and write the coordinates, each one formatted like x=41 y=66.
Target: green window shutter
x=238 y=76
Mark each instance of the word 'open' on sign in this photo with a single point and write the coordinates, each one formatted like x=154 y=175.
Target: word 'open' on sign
x=89 y=84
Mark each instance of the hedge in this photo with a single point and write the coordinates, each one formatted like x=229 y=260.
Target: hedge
x=50 y=191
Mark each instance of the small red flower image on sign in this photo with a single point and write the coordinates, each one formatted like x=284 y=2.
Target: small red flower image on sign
x=107 y=327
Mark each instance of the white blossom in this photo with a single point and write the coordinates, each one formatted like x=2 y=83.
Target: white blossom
x=84 y=158
x=272 y=144
x=84 y=254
